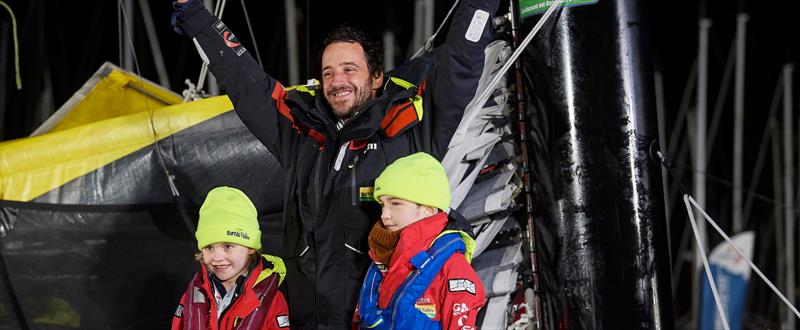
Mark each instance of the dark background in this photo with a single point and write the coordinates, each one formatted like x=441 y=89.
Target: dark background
x=62 y=43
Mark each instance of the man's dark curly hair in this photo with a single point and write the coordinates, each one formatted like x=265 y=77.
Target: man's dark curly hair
x=372 y=48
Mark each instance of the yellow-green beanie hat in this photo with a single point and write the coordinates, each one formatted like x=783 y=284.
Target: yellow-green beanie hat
x=417 y=178
x=227 y=215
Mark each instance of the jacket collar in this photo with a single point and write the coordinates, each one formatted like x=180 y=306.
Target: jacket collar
x=413 y=239
x=365 y=123
x=417 y=237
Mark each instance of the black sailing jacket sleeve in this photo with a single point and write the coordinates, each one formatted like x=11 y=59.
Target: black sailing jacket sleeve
x=458 y=68
x=257 y=97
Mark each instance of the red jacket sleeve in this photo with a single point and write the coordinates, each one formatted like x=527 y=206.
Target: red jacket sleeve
x=463 y=294
x=278 y=317
x=177 y=318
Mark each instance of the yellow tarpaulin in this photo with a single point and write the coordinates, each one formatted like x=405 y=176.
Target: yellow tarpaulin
x=110 y=92
x=108 y=122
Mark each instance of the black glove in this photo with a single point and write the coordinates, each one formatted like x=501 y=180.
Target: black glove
x=178 y=13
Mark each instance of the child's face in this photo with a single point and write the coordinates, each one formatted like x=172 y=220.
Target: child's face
x=227 y=261
x=397 y=213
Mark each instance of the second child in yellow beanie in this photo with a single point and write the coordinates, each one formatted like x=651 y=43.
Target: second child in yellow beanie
x=420 y=277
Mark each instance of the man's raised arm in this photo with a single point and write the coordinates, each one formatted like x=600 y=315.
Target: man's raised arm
x=458 y=66
x=255 y=95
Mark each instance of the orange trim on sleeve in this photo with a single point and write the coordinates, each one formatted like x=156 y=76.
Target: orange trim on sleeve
x=279 y=95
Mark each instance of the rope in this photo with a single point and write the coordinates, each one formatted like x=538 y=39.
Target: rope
x=728 y=183
x=252 y=35
x=16 y=44
x=701 y=251
x=218 y=10
x=484 y=95
x=170 y=178
x=689 y=199
x=427 y=44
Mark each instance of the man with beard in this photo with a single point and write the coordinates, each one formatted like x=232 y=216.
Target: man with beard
x=333 y=140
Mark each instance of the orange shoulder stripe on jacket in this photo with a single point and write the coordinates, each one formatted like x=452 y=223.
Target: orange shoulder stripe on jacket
x=279 y=95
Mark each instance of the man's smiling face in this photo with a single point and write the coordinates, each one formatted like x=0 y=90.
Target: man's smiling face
x=346 y=79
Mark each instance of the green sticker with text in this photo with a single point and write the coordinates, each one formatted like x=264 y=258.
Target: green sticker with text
x=533 y=7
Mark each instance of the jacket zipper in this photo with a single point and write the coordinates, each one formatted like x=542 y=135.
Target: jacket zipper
x=353 y=190
x=260 y=302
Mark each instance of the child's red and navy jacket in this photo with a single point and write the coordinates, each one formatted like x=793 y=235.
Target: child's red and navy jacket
x=453 y=296
x=260 y=305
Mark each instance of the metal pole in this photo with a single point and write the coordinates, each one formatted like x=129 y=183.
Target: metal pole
x=388 y=50
x=769 y=129
x=662 y=142
x=427 y=28
x=127 y=49
x=155 y=47
x=213 y=88
x=597 y=197
x=777 y=212
x=738 y=121
x=719 y=102
x=788 y=178
x=389 y=39
x=699 y=160
x=423 y=24
x=683 y=109
x=291 y=42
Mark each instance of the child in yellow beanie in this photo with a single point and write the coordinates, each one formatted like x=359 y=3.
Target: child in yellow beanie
x=420 y=277
x=237 y=286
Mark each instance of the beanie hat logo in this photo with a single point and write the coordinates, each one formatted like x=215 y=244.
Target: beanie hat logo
x=239 y=233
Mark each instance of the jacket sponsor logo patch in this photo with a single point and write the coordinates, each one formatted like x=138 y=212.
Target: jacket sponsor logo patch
x=229 y=38
x=179 y=311
x=462 y=323
x=460 y=308
x=283 y=321
x=459 y=285
x=428 y=309
x=476 y=26
x=365 y=194
x=423 y=301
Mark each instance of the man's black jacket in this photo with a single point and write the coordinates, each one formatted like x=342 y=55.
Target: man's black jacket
x=328 y=206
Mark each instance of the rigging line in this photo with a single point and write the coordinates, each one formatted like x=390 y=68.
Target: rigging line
x=22 y=322
x=483 y=96
x=219 y=8
x=688 y=199
x=216 y=7
x=765 y=137
x=683 y=108
x=120 y=36
x=749 y=192
x=427 y=44
x=252 y=35
x=16 y=44
x=722 y=98
x=170 y=178
x=701 y=251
